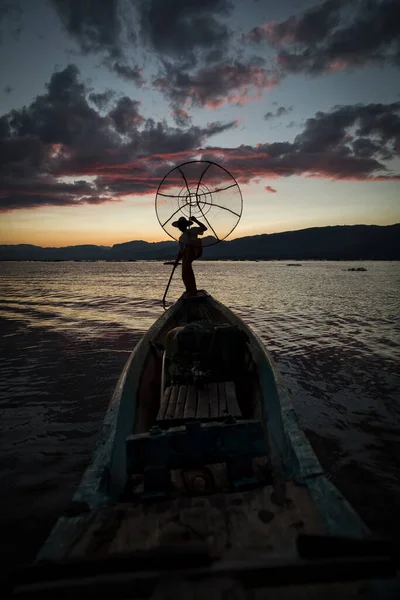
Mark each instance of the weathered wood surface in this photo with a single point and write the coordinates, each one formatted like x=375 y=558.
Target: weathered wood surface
x=191 y=403
x=164 y=404
x=231 y=526
x=169 y=414
x=231 y=399
x=180 y=403
x=203 y=407
x=222 y=408
x=209 y=401
x=213 y=400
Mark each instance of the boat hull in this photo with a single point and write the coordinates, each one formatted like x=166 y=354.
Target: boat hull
x=297 y=498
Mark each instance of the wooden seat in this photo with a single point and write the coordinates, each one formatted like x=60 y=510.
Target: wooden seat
x=213 y=400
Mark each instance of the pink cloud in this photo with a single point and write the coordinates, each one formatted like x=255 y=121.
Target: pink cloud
x=332 y=35
x=270 y=189
x=181 y=116
x=336 y=65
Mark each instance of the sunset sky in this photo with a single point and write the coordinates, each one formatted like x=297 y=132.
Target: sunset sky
x=298 y=99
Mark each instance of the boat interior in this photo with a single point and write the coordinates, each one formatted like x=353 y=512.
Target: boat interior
x=199 y=483
x=200 y=383
x=172 y=392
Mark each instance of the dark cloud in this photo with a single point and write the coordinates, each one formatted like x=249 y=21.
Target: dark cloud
x=35 y=192
x=126 y=115
x=158 y=138
x=333 y=131
x=132 y=74
x=335 y=35
x=60 y=134
x=63 y=116
x=365 y=148
x=350 y=142
x=185 y=29
x=228 y=82
x=32 y=200
x=281 y=110
x=96 y=26
x=8 y=89
x=182 y=29
x=270 y=189
x=106 y=28
x=102 y=99
x=262 y=162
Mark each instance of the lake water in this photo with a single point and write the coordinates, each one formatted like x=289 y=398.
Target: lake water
x=67 y=329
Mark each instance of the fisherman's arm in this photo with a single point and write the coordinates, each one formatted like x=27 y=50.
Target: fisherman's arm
x=202 y=227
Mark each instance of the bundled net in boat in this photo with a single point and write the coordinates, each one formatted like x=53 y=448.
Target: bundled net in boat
x=221 y=351
x=204 y=190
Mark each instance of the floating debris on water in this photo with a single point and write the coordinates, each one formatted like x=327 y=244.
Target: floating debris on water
x=357 y=269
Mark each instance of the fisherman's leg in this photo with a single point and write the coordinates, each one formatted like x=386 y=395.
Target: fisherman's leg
x=188 y=277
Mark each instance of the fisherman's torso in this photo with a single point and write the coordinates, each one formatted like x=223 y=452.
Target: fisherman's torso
x=190 y=236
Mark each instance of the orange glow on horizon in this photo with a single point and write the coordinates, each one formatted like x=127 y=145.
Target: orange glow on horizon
x=101 y=238
x=68 y=238
x=300 y=203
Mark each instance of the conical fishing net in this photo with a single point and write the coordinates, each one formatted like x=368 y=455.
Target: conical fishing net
x=204 y=190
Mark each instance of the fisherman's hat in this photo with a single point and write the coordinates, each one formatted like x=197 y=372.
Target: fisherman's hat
x=182 y=221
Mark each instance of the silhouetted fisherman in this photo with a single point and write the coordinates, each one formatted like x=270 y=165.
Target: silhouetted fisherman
x=190 y=249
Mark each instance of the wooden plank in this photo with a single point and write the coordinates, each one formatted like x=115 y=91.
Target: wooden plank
x=203 y=408
x=250 y=521
x=99 y=534
x=222 y=410
x=181 y=523
x=231 y=400
x=172 y=402
x=256 y=522
x=213 y=588
x=213 y=399
x=191 y=403
x=180 y=403
x=164 y=404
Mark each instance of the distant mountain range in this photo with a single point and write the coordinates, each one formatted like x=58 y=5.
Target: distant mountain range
x=339 y=242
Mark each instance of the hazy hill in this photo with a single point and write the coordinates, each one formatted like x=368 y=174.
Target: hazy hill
x=340 y=242
x=355 y=242
x=30 y=252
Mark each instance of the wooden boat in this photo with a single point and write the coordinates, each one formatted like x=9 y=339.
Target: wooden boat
x=201 y=469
